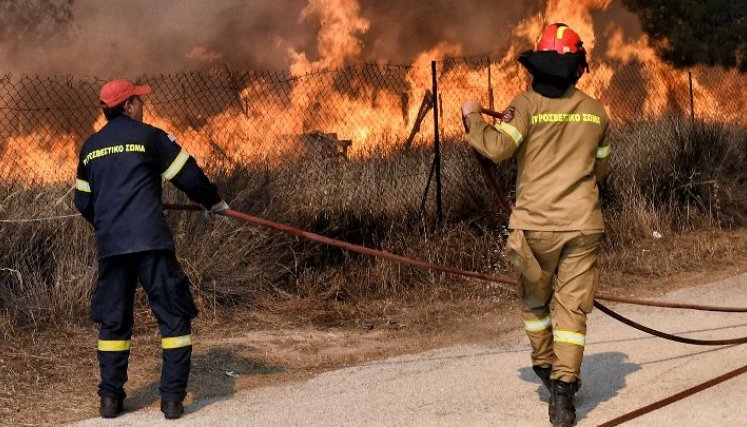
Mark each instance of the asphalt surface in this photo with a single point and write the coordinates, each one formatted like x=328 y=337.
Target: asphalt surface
x=494 y=386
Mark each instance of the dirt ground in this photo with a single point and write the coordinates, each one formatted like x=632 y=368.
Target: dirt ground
x=49 y=378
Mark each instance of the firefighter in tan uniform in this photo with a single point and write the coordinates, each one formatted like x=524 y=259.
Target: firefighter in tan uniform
x=558 y=136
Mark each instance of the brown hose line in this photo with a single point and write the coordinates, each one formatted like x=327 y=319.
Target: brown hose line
x=491 y=113
x=674 y=398
x=684 y=340
x=604 y=296
x=503 y=280
x=356 y=248
x=485 y=169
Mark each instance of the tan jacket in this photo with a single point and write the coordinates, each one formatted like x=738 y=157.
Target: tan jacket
x=562 y=152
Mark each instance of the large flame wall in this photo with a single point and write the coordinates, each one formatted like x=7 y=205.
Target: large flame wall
x=354 y=112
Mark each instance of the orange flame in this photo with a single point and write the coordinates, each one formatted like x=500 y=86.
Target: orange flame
x=376 y=119
x=336 y=42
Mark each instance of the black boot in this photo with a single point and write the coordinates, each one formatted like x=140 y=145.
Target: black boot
x=110 y=407
x=562 y=409
x=172 y=410
x=543 y=374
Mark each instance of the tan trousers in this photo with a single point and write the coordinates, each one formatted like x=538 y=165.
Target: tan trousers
x=555 y=319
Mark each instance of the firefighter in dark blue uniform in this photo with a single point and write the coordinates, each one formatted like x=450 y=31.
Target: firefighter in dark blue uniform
x=118 y=190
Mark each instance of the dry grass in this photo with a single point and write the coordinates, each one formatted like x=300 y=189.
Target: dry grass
x=689 y=185
x=692 y=178
x=678 y=175
x=289 y=341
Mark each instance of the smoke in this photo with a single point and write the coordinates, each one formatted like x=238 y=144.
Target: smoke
x=402 y=30
x=32 y=20
x=111 y=39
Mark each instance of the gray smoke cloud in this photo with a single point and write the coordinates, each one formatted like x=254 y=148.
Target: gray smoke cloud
x=128 y=38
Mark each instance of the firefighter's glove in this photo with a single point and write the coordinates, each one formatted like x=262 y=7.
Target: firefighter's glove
x=219 y=209
x=469 y=107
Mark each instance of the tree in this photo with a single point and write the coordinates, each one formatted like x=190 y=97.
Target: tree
x=690 y=32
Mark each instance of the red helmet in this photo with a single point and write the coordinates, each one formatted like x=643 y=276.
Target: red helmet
x=560 y=38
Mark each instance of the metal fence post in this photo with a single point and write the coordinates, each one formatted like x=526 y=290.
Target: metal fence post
x=436 y=143
x=491 y=96
x=692 y=99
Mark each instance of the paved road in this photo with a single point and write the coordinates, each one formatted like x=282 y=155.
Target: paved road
x=492 y=386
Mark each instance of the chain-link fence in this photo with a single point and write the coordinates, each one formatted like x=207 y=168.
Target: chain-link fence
x=357 y=138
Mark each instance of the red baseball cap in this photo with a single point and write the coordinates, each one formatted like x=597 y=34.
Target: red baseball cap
x=115 y=92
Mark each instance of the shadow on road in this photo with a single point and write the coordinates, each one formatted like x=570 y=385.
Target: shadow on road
x=602 y=374
x=212 y=378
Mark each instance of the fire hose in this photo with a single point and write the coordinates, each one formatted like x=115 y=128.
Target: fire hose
x=502 y=281
x=674 y=398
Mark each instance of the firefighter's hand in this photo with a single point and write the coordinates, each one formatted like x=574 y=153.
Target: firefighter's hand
x=469 y=107
x=219 y=209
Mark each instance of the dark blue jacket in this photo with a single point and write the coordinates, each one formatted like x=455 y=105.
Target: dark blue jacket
x=118 y=185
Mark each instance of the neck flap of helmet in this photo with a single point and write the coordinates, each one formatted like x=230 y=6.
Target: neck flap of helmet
x=553 y=73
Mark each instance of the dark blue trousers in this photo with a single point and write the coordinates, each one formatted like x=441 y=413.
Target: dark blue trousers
x=171 y=302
